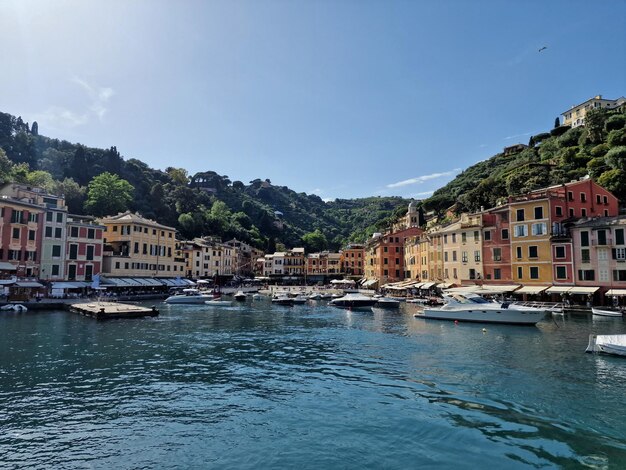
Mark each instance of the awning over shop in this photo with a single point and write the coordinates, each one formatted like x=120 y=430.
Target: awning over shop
x=558 y=289
x=29 y=284
x=445 y=285
x=427 y=285
x=370 y=283
x=531 y=289
x=485 y=289
x=582 y=290
x=616 y=292
x=7 y=267
x=342 y=281
x=68 y=285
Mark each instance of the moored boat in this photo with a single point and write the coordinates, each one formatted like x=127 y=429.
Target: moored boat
x=353 y=300
x=239 y=296
x=607 y=344
x=189 y=296
x=474 y=308
x=606 y=312
x=217 y=301
x=282 y=300
x=386 y=302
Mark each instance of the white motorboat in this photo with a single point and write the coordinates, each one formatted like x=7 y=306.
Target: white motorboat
x=240 y=296
x=354 y=301
x=15 y=307
x=282 y=300
x=386 y=302
x=189 y=296
x=606 y=312
x=607 y=344
x=299 y=299
x=257 y=296
x=315 y=296
x=218 y=302
x=474 y=308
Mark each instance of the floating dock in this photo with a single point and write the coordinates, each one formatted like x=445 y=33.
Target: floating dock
x=110 y=310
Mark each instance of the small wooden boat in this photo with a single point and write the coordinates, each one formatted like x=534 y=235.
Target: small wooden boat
x=607 y=344
x=606 y=312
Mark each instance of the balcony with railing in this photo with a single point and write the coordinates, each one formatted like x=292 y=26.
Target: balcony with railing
x=602 y=242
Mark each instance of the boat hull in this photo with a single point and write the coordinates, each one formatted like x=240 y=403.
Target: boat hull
x=605 y=313
x=188 y=300
x=477 y=315
x=607 y=344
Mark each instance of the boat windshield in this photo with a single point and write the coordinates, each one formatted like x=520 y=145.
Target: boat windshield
x=478 y=300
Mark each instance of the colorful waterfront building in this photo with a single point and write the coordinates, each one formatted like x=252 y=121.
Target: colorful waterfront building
x=600 y=252
x=51 y=233
x=461 y=247
x=541 y=251
x=384 y=255
x=325 y=263
x=138 y=247
x=84 y=248
x=294 y=264
x=20 y=236
x=353 y=260
x=497 y=245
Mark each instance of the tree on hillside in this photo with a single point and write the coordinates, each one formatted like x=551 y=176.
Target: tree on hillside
x=314 y=241
x=108 y=194
x=178 y=175
x=557 y=122
x=74 y=194
x=6 y=167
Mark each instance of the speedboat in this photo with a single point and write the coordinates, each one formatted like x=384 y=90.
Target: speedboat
x=315 y=296
x=239 y=296
x=606 y=312
x=386 y=302
x=15 y=307
x=217 y=301
x=282 y=300
x=189 y=296
x=299 y=299
x=607 y=344
x=474 y=308
x=354 y=301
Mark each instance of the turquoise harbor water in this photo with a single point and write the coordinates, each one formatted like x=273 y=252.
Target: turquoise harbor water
x=307 y=387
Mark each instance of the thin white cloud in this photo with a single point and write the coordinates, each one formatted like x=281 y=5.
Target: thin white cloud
x=100 y=96
x=423 y=178
x=422 y=194
x=526 y=134
x=56 y=116
x=317 y=191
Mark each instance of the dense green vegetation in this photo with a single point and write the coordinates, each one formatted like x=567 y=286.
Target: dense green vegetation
x=564 y=154
x=206 y=203
x=267 y=215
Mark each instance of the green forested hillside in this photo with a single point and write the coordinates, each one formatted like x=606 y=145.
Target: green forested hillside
x=563 y=154
x=203 y=204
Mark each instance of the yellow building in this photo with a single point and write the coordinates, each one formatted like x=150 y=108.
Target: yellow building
x=531 y=259
x=139 y=247
x=412 y=264
x=462 y=250
x=575 y=116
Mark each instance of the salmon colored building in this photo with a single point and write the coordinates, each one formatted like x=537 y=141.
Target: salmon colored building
x=497 y=245
x=84 y=248
x=385 y=255
x=353 y=261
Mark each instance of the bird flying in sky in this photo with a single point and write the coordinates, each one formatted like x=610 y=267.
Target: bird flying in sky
x=542 y=48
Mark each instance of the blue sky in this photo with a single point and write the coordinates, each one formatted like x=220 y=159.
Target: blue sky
x=338 y=98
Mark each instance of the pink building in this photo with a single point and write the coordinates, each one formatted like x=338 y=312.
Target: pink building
x=497 y=245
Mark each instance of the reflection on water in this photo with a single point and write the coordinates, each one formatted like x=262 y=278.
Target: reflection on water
x=309 y=386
